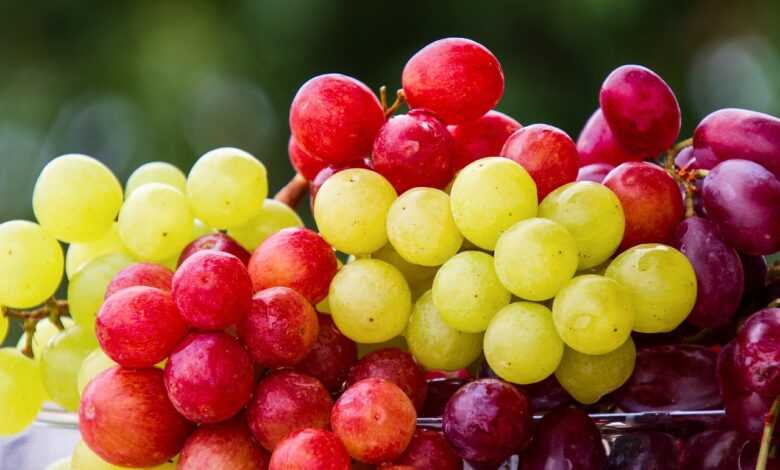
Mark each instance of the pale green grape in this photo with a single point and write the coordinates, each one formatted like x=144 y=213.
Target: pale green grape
x=3 y=327
x=592 y=214
x=661 y=283
x=370 y=301
x=31 y=264
x=155 y=223
x=226 y=187
x=76 y=198
x=199 y=229
x=79 y=254
x=88 y=287
x=324 y=305
x=156 y=172
x=61 y=464
x=521 y=344
x=351 y=210
x=489 y=196
x=421 y=229
x=588 y=377
x=61 y=361
x=273 y=216
x=84 y=458
x=593 y=314
x=96 y=362
x=398 y=342
x=44 y=332
x=413 y=273
x=535 y=258
x=21 y=392
x=435 y=344
x=467 y=291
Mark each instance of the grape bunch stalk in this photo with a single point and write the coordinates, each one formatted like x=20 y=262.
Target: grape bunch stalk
x=468 y=275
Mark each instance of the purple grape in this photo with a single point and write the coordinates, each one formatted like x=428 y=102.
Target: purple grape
x=741 y=197
x=439 y=392
x=755 y=271
x=544 y=395
x=712 y=450
x=644 y=451
x=748 y=456
x=684 y=159
x=718 y=271
x=565 y=438
x=757 y=354
x=772 y=292
x=745 y=410
x=595 y=172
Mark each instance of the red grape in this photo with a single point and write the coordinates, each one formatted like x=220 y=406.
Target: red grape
x=483 y=137
x=757 y=355
x=644 y=450
x=712 y=450
x=139 y=326
x=595 y=172
x=217 y=241
x=543 y=396
x=745 y=410
x=547 y=153
x=227 y=445
x=456 y=78
x=641 y=109
x=126 y=418
x=429 y=450
x=319 y=180
x=565 y=438
x=331 y=356
x=396 y=366
x=685 y=159
x=141 y=274
x=306 y=164
x=597 y=144
x=310 y=449
x=439 y=392
x=336 y=118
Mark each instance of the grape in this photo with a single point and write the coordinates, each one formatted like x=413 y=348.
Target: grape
x=595 y=172
x=395 y=366
x=482 y=137
x=141 y=274
x=415 y=274
x=745 y=410
x=421 y=229
x=651 y=202
x=456 y=78
x=592 y=214
x=44 y=332
x=428 y=449
x=3 y=327
x=227 y=445
x=641 y=109
x=398 y=342
x=156 y=172
x=741 y=198
x=310 y=448
x=718 y=269
x=535 y=258
x=587 y=377
x=439 y=392
x=21 y=391
x=336 y=118
x=543 y=396
x=565 y=438
x=521 y=344
x=712 y=450
x=661 y=283
x=216 y=241
x=597 y=144
x=76 y=198
x=80 y=254
x=30 y=264
x=96 y=362
x=644 y=450
x=370 y=301
x=84 y=459
x=306 y=164
x=434 y=343
x=351 y=210
x=547 y=153
x=274 y=216
x=748 y=456
x=330 y=357
x=755 y=271
x=481 y=214
x=757 y=353
x=60 y=364
x=87 y=289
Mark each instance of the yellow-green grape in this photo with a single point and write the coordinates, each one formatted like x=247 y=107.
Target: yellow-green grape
x=156 y=172
x=661 y=283
x=273 y=216
x=31 y=264
x=44 y=332
x=79 y=254
x=467 y=291
x=84 y=458
x=155 y=223
x=398 y=342
x=3 y=327
x=535 y=258
x=21 y=392
x=414 y=274
x=370 y=301
x=61 y=464
x=490 y=195
x=592 y=214
x=593 y=314
x=421 y=229
x=435 y=344
x=96 y=362
x=521 y=344
x=226 y=187
x=324 y=305
x=76 y=198
x=351 y=210
x=199 y=229
x=88 y=287
x=61 y=361
x=588 y=377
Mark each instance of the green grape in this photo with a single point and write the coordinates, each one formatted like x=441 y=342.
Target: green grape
x=44 y=332
x=593 y=314
x=88 y=287
x=61 y=464
x=324 y=305
x=76 y=198
x=273 y=216
x=156 y=172
x=3 y=327
x=490 y=195
x=592 y=214
x=467 y=291
x=155 y=223
x=84 y=458
x=421 y=229
x=398 y=342
x=31 y=264
x=588 y=377
x=535 y=258
x=79 y=254
x=661 y=283
x=370 y=301
x=21 y=392
x=413 y=273
x=199 y=229
x=521 y=344
x=61 y=361
x=226 y=187
x=96 y=362
x=435 y=344
x=351 y=210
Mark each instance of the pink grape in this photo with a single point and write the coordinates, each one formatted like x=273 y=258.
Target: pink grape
x=429 y=449
x=396 y=366
x=757 y=354
x=306 y=164
x=141 y=274
x=595 y=172
x=597 y=144
x=483 y=137
x=330 y=357
x=565 y=438
x=223 y=445
x=217 y=241
x=310 y=449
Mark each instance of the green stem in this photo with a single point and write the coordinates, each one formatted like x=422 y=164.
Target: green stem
x=766 y=437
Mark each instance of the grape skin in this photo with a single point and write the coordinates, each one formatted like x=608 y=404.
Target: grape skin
x=597 y=144
x=483 y=137
x=273 y=216
x=588 y=377
x=86 y=291
x=21 y=392
x=156 y=172
x=80 y=254
x=84 y=459
x=61 y=361
x=96 y=362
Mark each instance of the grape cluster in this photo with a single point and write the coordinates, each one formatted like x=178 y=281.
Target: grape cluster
x=209 y=327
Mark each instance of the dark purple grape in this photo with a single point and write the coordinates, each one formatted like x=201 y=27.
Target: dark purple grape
x=755 y=271
x=745 y=410
x=772 y=292
x=595 y=172
x=712 y=450
x=544 y=395
x=748 y=456
x=439 y=392
x=757 y=355
x=565 y=438
x=644 y=451
x=718 y=271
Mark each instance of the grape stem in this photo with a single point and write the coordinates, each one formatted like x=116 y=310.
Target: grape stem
x=766 y=437
x=292 y=193
x=52 y=310
x=400 y=98
x=683 y=176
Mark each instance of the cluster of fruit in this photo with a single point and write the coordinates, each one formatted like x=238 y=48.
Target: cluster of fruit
x=468 y=235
